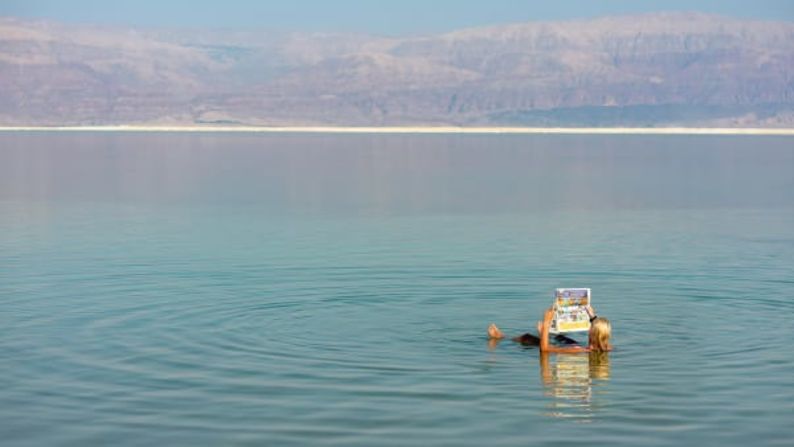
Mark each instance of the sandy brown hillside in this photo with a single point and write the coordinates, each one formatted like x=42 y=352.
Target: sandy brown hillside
x=660 y=69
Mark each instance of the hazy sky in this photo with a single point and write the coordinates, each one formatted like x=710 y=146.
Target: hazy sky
x=374 y=16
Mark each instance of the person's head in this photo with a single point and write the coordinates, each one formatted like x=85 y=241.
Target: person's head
x=600 y=331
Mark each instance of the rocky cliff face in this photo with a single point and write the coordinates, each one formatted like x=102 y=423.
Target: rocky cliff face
x=659 y=69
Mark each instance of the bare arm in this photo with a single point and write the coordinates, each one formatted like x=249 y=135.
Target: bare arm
x=545 y=346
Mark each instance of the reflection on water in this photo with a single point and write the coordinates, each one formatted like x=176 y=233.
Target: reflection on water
x=575 y=383
x=323 y=290
x=396 y=174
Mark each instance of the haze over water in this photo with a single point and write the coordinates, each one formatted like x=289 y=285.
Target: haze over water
x=218 y=289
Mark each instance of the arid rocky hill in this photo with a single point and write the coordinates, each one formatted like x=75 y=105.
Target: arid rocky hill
x=649 y=70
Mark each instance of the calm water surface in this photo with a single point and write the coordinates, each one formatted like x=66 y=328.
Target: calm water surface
x=179 y=289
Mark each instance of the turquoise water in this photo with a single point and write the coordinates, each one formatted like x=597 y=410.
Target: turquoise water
x=178 y=289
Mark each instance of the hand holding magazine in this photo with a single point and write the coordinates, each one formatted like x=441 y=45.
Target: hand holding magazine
x=570 y=311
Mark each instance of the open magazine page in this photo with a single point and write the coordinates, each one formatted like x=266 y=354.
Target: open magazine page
x=570 y=314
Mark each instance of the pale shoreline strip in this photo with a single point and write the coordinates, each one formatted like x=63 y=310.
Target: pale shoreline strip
x=414 y=130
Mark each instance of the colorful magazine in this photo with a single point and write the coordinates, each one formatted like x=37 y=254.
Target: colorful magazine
x=570 y=314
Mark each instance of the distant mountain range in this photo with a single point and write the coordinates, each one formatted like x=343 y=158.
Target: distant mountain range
x=650 y=70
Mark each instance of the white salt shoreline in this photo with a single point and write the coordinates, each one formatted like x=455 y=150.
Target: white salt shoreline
x=415 y=130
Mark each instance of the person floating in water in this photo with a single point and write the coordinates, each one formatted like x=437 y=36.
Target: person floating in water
x=598 y=337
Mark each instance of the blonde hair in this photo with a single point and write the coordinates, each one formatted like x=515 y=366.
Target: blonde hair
x=600 y=332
